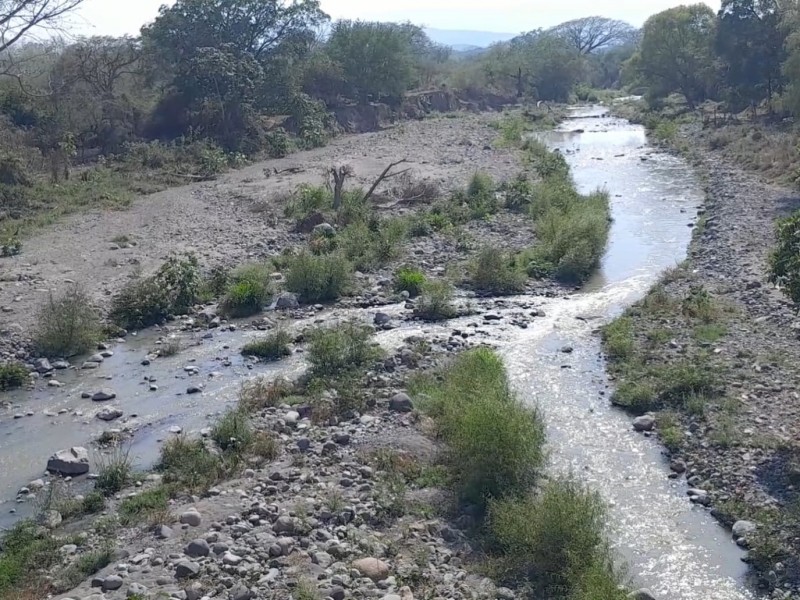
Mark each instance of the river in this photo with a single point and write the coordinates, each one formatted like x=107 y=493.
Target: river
x=672 y=547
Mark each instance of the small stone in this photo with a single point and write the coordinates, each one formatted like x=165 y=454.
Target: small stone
x=95 y=358
x=176 y=429
x=381 y=319
x=284 y=524
x=136 y=590
x=103 y=395
x=641 y=595
x=42 y=365
x=164 y=532
x=644 y=423
x=191 y=518
x=229 y=558
x=193 y=389
x=287 y=301
x=240 y=592
x=401 y=403
x=678 y=466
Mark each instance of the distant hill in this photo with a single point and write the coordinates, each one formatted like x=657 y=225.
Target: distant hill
x=467 y=41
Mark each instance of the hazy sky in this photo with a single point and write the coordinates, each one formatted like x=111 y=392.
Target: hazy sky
x=117 y=17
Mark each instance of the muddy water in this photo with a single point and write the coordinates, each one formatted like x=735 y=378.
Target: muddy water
x=673 y=548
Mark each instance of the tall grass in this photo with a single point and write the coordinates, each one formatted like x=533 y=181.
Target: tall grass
x=345 y=347
x=248 y=290
x=496 y=272
x=66 y=325
x=13 y=375
x=318 y=278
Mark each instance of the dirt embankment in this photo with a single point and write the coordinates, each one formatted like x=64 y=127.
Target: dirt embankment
x=744 y=446
x=237 y=218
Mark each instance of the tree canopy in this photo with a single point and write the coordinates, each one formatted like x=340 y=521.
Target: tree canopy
x=590 y=34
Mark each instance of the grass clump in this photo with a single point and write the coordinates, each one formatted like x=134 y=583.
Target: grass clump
x=66 y=325
x=233 y=432
x=114 y=472
x=272 y=347
x=308 y=199
x=318 y=278
x=409 y=279
x=342 y=348
x=149 y=506
x=496 y=273
x=146 y=301
x=259 y=393
x=368 y=246
x=13 y=375
x=669 y=431
x=495 y=444
x=618 y=339
x=480 y=197
x=554 y=541
x=188 y=464
x=436 y=301
x=248 y=291
x=784 y=262
x=27 y=551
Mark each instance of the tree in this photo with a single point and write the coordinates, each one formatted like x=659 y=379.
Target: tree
x=546 y=66
x=590 y=34
x=675 y=54
x=102 y=62
x=18 y=18
x=751 y=43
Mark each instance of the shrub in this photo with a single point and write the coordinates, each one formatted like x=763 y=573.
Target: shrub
x=93 y=503
x=554 y=540
x=372 y=245
x=308 y=199
x=27 y=552
x=480 y=196
x=66 y=325
x=436 y=301
x=495 y=444
x=495 y=272
x=173 y=289
x=147 y=506
x=618 y=339
x=214 y=284
x=546 y=164
x=249 y=290
x=318 y=278
x=519 y=192
x=260 y=392
x=699 y=304
x=233 y=433
x=409 y=279
x=189 y=465
x=784 y=262
x=13 y=375
x=272 y=347
x=114 y=472
x=340 y=349
x=278 y=143
x=636 y=396
x=512 y=128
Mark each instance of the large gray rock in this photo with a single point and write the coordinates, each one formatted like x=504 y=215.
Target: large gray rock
x=381 y=319
x=42 y=365
x=111 y=583
x=401 y=403
x=644 y=423
x=240 y=592
x=191 y=518
x=197 y=548
x=324 y=230
x=286 y=301
x=641 y=595
x=109 y=414
x=375 y=569
x=741 y=529
x=103 y=395
x=284 y=524
x=186 y=569
x=70 y=462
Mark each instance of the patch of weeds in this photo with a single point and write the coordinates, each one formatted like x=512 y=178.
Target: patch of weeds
x=519 y=193
x=233 y=433
x=618 y=340
x=409 y=279
x=511 y=127
x=308 y=199
x=28 y=552
x=496 y=273
x=187 y=464
x=318 y=278
x=93 y=503
x=66 y=325
x=669 y=431
x=259 y=393
x=149 y=506
x=368 y=246
x=699 y=304
x=248 y=290
x=710 y=333
x=114 y=471
x=636 y=396
x=340 y=349
x=214 y=284
x=480 y=196
x=271 y=347
x=305 y=590
x=659 y=336
x=436 y=301
x=169 y=347
x=13 y=375
x=263 y=446
x=85 y=566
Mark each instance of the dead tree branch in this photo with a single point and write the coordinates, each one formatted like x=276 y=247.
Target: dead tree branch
x=386 y=175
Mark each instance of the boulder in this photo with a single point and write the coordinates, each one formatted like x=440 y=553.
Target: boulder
x=109 y=414
x=112 y=582
x=73 y=461
x=191 y=518
x=324 y=230
x=286 y=301
x=644 y=423
x=401 y=403
x=374 y=569
x=103 y=395
x=382 y=319
x=641 y=595
x=42 y=365
x=197 y=548
x=741 y=529
x=186 y=569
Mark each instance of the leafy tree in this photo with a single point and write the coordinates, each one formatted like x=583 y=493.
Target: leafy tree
x=750 y=41
x=675 y=54
x=547 y=66
x=590 y=34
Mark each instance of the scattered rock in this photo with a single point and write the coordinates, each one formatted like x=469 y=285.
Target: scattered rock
x=375 y=569
x=287 y=301
x=186 y=569
x=109 y=414
x=197 y=548
x=103 y=395
x=191 y=518
x=644 y=423
x=70 y=462
x=111 y=583
x=401 y=403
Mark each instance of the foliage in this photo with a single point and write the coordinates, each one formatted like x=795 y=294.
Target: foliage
x=436 y=301
x=370 y=245
x=272 y=347
x=145 y=301
x=618 y=339
x=497 y=273
x=260 y=392
x=495 y=444
x=318 y=278
x=146 y=506
x=409 y=279
x=233 y=432
x=66 y=325
x=114 y=472
x=341 y=348
x=249 y=289
x=187 y=464
x=27 y=551
x=13 y=375
x=784 y=262
x=480 y=196
x=594 y=34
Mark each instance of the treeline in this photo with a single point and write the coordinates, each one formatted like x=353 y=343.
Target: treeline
x=747 y=55
x=229 y=74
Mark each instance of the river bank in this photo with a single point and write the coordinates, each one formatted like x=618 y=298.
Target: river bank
x=733 y=428
x=548 y=345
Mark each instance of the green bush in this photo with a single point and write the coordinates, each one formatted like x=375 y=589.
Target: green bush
x=699 y=304
x=555 y=541
x=260 y=392
x=495 y=445
x=145 y=506
x=480 y=196
x=28 y=551
x=784 y=262
x=546 y=164
x=272 y=347
x=318 y=278
x=13 y=375
x=342 y=348
x=233 y=433
x=308 y=199
x=66 y=325
x=495 y=272
x=636 y=396
x=436 y=301
x=409 y=279
x=146 y=301
x=249 y=289
x=618 y=339
x=519 y=192
x=371 y=245
x=187 y=464
x=114 y=472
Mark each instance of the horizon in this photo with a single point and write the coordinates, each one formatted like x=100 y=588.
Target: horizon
x=101 y=17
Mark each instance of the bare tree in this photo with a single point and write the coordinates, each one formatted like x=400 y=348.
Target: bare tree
x=594 y=33
x=102 y=61
x=18 y=18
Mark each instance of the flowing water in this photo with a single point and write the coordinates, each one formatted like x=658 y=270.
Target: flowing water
x=673 y=548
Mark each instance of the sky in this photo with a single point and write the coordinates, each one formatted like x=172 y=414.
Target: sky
x=119 y=17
